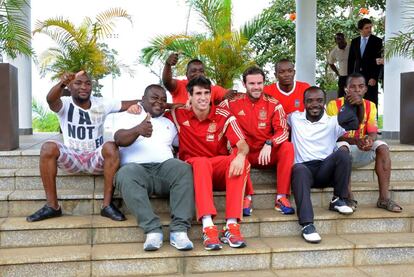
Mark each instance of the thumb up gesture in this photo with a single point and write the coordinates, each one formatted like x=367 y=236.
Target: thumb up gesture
x=145 y=127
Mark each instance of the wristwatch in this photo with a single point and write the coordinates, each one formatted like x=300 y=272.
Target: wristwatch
x=269 y=142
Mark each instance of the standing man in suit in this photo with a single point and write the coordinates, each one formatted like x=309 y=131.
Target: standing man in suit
x=363 y=53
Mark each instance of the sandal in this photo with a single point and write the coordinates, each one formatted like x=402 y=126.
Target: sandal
x=389 y=205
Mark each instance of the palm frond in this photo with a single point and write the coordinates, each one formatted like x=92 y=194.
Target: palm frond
x=400 y=45
x=254 y=26
x=215 y=15
x=105 y=20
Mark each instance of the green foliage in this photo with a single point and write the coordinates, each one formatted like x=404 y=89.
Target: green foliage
x=402 y=44
x=14 y=34
x=78 y=47
x=226 y=53
x=277 y=40
x=43 y=120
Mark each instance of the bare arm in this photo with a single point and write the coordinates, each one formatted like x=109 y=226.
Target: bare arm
x=125 y=137
x=55 y=93
x=167 y=78
x=333 y=67
x=237 y=164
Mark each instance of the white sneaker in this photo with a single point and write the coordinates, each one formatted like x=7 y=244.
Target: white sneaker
x=153 y=241
x=339 y=205
x=310 y=235
x=181 y=241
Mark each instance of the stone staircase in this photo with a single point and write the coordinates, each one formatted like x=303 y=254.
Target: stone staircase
x=371 y=242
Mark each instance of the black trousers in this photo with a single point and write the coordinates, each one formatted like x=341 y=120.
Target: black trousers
x=341 y=86
x=334 y=171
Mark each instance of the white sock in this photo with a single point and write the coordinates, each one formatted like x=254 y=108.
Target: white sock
x=207 y=221
x=231 y=221
x=249 y=197
x=280 y=196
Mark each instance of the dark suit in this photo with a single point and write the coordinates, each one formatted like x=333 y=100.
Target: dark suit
x=366 y=65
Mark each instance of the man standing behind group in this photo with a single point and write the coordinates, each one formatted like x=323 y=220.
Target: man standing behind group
x=363 y=52
x=286 y=90
x=148 y=168
x=340 y=55
x=81 y=118
x=263 y=121
x=204 y=131
x=177 y=88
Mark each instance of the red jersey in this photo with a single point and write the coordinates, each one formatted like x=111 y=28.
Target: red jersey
x=180 y=94
x=260 y=121
x=207 y=138
x=292 y=100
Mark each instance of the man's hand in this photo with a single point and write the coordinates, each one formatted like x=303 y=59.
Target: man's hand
x=145 y=128
x=172 y=59
x=364 y=144
x=68 y=77
x=372 y=82
x=230 y=94
x=264 y=156
x=134 y=109
x=354 y=99
x=237 y=165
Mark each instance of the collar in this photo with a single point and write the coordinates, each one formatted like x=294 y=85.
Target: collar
x=210 y=117
x=324 y=119
x=289 y=92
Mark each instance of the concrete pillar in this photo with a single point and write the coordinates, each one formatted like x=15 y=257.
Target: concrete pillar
x=393 y=68
x=24 y=67
x=306 y=41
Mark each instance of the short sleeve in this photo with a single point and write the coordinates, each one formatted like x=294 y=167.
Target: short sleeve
x=65 y=104
x=332 y=109
x=331 y=57
x=112 y=105
x=372 y=126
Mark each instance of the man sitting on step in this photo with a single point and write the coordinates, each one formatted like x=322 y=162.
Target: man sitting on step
x=148 y=168
x=81 y=118
x=362 y=143
x=204 y=131
x=317 y=164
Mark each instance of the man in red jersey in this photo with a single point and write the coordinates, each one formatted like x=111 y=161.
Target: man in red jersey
x=204 y=131
x=177 y=88
x=263 y=121
x=286 y=90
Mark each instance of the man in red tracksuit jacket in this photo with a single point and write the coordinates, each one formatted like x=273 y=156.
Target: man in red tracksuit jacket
x=204 y=131
x=264 y=124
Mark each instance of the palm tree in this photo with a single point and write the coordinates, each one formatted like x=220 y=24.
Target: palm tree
x=14 y=34
x=225 y=53
x=78 y=47
x=402 y=44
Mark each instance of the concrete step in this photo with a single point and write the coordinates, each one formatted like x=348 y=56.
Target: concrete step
x=28 y=157
x=29 y=179
x=88 y=201
x=261 y=254
x=91 y=230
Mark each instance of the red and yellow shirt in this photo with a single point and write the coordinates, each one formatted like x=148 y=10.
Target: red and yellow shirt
x=206 y=138
x=291 y=101
x=369 y=123
x=180 y=94
x=260 y=121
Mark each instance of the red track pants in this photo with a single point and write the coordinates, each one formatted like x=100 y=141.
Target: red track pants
x=282 y=157
x=213 y=173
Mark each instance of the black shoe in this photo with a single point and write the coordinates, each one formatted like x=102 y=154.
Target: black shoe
x=112 y=212
x=44 y=213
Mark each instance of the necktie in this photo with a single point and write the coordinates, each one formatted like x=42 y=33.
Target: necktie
x=363 y=44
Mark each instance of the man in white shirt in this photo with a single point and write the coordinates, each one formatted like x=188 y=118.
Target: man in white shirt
x=149 y=168
x=81 y=118
x=317 y=164
x=339 y=55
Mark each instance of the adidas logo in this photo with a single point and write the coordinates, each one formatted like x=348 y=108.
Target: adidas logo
x=241 y=113
x=186 y=123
